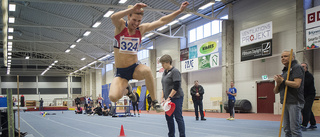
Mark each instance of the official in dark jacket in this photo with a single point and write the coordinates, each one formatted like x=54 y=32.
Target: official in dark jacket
x=197 y=92
x=309 y=95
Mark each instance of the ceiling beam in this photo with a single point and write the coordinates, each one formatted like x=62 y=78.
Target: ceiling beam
x=63 y=17
x=59 y=27
x=92 y=4
x=57 y=42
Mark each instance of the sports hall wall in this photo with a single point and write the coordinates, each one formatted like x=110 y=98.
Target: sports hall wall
x=246 y=14
x=249 y=13
x=316 y=62
x=49 y=87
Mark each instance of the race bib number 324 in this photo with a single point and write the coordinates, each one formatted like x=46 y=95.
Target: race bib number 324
x=129 y=45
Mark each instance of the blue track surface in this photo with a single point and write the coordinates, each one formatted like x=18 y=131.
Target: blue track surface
x=69 y=124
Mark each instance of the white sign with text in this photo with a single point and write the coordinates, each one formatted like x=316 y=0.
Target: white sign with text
x=256 y=34
x=189 y=65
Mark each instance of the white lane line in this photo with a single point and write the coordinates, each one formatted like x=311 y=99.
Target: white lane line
x=113 y=127
x=31 y=127
x=67 y=126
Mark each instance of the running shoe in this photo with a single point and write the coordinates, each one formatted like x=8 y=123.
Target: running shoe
x=130 y=94
x=156 y=105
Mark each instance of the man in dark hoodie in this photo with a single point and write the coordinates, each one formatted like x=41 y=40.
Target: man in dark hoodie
x=309 y=95
x=197 y=92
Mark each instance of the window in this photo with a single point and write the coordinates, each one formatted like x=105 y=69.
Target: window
x=142 y=54
x=109 y=67
x=192 y=35
x=207 y=30
x=215 y=27
x=224 y=17
x=151 y=47
x=200 y=33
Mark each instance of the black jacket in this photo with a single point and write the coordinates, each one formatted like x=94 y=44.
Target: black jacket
x=77 y=100
x=193 y=92
x=309 y=84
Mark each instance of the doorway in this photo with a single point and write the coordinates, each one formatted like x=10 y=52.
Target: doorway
x=265 y=96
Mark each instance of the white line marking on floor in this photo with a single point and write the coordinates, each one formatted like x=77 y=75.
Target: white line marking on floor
x=31 y=127
x=67 y=126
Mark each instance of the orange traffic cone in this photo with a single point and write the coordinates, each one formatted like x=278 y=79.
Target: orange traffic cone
x=122 y=132
x=204 y=113
x=139 y=111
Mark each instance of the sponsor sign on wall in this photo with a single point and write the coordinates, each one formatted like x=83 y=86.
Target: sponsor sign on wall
x=313 y=17
x=313 y=38
x=256 y=34
x=204 y=62
x=257 y=50
x=207 y=48
x=193 y=52
x=214 y=60
x=160 y=69
x=189 y=65
x=184 y=54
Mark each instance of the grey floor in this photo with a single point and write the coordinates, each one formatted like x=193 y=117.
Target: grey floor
x=68 y=124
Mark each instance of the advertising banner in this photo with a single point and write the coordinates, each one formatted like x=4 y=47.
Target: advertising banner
x=184 y=54
x=214 y=60
x=189 y=65
x=204 y=62
x=313 y=38
x=256 y=34
x=207 y=48
x=160 y=69
x=313 y=17
x=193 y=52
x=256 y=50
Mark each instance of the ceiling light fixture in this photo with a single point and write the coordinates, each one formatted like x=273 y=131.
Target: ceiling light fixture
x=184 y=17
x=173 y=22
x=10 y=30
x=97 y=24
x=12 y=7
x=11 y=19
x=207 y=5
x=67 y=51
x=27 y=57
x=162 y=28
x=148 y=35
x=10 y=37
x=83 y=59
x=122 y=1
x=87 y=33
x=108 y=14
x=78 y=40
x=72 y=46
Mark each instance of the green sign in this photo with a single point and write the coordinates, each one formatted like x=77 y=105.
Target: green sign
x=264 y=77
x=204 y=62
x=208 y=47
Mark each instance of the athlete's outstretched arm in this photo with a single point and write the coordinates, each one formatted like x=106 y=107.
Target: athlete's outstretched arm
x=117 y=17
x=163 y=20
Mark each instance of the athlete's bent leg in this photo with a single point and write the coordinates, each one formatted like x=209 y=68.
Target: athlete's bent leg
x=144 y=72
x=118 y=89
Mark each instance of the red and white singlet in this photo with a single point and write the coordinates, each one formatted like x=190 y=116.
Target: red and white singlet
x=128 y=44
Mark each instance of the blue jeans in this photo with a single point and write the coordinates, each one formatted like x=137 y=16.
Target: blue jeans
x=292 y=120
x=179 y=118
